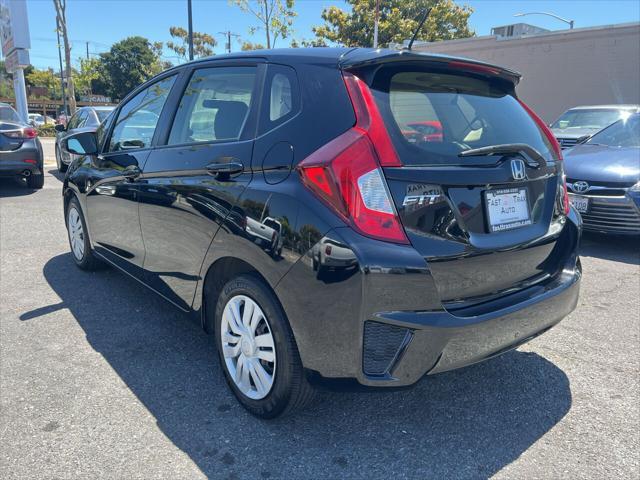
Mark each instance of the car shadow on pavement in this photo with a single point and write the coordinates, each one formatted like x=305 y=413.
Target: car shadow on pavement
x=464 y=424
x=617 y=248
x=14 y=187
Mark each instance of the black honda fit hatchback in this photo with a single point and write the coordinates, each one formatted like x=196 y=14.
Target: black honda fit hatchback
x=287 y=201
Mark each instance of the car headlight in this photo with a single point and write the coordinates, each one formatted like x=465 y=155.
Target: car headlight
x=635 y=188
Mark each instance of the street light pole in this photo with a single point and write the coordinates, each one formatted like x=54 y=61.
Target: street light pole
x=375 y=25
x=190 y=30
x=64 y=97
x=569 y=22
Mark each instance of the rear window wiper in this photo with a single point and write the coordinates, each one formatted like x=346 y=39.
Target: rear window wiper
x=532 y=157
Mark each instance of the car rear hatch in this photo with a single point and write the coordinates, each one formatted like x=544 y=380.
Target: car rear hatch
x=482 y=198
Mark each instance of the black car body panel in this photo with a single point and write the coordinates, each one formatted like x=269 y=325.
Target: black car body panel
x=451 y=295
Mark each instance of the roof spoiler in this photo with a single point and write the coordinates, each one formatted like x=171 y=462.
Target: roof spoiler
x=361 y=57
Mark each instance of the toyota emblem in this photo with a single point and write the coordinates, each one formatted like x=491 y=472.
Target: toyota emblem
x=580 y=187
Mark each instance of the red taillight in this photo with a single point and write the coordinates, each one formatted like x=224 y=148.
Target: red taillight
x=545 y=129
x=29 y=132
x=24 y=133
x=30 y=160
x=556 y=148
x=346 y=174
x=369 y=120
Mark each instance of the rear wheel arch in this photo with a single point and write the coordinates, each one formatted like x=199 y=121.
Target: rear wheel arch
x=218 y=274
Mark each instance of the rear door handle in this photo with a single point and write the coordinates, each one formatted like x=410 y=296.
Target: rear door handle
x=225 y=165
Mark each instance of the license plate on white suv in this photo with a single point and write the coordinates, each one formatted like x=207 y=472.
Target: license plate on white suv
x=580 y=203
x=507 y=208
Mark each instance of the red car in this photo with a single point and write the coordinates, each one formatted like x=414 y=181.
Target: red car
x=426 y=131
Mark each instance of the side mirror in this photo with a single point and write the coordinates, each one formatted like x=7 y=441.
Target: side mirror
x=82 y=143
x=60 y=127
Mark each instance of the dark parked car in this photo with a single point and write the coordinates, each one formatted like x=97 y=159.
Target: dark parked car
x=458 y=250
x=20 y=149
x=603 y=176
x=579 y=123
x=85 y=117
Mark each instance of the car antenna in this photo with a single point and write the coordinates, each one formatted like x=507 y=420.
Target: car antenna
x=415 y=34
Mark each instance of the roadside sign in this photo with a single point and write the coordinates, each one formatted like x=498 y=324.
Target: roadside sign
x=14 y=26
x=15 y=60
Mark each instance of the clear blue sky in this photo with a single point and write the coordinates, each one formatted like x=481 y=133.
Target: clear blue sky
x=103 y=22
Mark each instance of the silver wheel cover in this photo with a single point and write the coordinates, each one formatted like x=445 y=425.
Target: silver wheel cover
x=248 y=347
x=76 y=233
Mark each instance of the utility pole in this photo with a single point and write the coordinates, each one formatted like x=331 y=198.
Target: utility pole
x=190 y=30
x=228 y=34
x=375 y=25
x=64 y=97
x=87 y=43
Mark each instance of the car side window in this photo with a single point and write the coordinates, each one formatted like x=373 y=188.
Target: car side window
x=74 y=121
x=214 y=106
x=138 y=118
x=281 y=100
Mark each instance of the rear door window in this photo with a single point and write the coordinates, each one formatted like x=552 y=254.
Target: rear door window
x=432 y=116
x=214 y=106
x=281 y=100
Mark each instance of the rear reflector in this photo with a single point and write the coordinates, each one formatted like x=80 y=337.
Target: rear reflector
x=30 y=160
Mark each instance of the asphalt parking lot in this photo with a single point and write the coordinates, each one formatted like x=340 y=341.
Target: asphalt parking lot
x=101 y=379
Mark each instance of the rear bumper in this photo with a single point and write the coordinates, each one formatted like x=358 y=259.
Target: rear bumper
x=382 y=324
x=15 y=162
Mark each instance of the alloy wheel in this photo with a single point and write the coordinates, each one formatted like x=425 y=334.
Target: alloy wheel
x=248 y=347
x=76 y=233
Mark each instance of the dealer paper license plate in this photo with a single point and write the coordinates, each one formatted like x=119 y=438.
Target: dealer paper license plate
x=507 y=208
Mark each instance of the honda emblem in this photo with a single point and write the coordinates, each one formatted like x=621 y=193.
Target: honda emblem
x=518 y=169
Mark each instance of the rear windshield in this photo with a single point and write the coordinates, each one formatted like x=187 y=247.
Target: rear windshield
x=432 y=117
x=8 y=114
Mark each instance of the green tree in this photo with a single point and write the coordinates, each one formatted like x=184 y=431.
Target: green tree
x=203 y=43
x=6 y=82
x=251 y=46
x=275 y=17
x=398 y=21
x=90 y=78
x=44 y=79
x=129 y=63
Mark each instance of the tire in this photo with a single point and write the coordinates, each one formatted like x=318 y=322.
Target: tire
x=35 y=181
x=62 y=167
x=289 y=389
x=81 y=252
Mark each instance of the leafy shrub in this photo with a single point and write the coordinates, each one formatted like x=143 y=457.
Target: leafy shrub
x=46 y=130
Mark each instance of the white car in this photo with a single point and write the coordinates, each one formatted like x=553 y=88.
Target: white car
x=37 y=120
x=268 y=232
x=328 y=253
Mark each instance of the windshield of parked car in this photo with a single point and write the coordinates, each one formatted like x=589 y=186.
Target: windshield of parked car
x=623 y=133
x=595 y=118
x=8 y=114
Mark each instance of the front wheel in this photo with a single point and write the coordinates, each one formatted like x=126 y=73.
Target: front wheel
x=257 y=351
x=81 y=250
